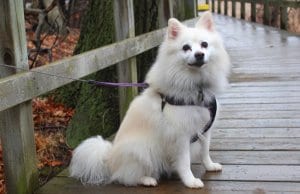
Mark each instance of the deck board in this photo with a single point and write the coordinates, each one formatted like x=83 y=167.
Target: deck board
x=257 y=135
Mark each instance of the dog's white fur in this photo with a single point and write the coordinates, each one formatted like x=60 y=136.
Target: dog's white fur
x=150 y=141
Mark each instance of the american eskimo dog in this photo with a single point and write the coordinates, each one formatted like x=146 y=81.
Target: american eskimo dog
x=155 y=136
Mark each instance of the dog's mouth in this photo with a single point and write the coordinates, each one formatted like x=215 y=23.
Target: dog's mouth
x=197 y=64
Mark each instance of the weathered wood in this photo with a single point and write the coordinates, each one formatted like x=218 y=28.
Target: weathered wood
x=233 y=8
x=269 y=114
x=274 y=100
x=213 y=6
x=258 y=123
x=256 y=144
x=16 y=123
x=266 y=16
x=260 y=107
x=219 y=6
x=258 y=132
x=282 y=173
x=127 y=70
x=275 y=94
x=63 y=185
x=257 y=158
x=243 y=10
x=283 y=17
x=164 y=13
x=32 y=84
x=225 y=7
x=253 y=11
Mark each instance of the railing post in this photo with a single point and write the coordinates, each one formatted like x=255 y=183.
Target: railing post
x=253 y=10
x=163 y=13
x=283 y=17
x=233 y=11
x=266 y=12
x=127 y=70
x=225 y=7
x=213 y=6
x=243 y=9
x=16 y=124
x=219 y=6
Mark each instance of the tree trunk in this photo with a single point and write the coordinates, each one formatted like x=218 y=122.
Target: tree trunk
x=96 y=108
x=146 y=20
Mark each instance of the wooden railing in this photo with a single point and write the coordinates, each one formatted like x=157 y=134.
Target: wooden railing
x=19 y=87
x=281 y=5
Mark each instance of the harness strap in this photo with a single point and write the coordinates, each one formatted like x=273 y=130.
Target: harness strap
x=211 y=106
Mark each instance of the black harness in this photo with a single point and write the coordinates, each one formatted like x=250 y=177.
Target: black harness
x=211 y=106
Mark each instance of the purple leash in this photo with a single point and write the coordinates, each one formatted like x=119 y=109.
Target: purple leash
x=112 y=84
x=94 y=82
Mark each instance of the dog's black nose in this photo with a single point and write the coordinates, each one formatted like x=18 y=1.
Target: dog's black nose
x=199 y=56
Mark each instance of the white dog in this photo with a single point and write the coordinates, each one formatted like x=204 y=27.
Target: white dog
x=155 y=135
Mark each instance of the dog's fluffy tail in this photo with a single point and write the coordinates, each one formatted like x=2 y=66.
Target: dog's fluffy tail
x=89 y=161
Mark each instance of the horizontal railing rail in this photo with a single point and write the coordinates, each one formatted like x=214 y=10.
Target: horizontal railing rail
x=23 y=86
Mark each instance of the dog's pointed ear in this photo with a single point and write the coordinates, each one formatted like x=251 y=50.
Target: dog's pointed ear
x=174 y=28
x=206 y=22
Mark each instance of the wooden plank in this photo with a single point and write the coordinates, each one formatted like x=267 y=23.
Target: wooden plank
x=260 y=132
x=258 y=123
x=64 y=185
x=266 y=83
x=270 y=114
x=260 y=107
x=127 y=70
x=16 y=124
x=287 y=99
x=256 y=158
x=31 y=84
x=266 y=70
x=282 y=173
x=264 y=89
x=269 y=95
x=255 y=144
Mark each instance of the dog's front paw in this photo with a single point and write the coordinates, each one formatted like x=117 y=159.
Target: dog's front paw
x=214 y=167
x=148 y=181
x=194 y=183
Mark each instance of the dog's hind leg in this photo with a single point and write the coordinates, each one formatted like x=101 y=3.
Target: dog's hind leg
x=206 y=159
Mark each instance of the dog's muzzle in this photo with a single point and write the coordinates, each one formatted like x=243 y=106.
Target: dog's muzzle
x=199 y=60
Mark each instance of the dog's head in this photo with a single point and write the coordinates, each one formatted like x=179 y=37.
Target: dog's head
x=195 y=47
x=191 y=56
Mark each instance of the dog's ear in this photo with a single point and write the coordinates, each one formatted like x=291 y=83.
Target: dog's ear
x=206 y=22
x=174 y=28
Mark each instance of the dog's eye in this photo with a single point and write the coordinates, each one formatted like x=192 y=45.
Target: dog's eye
x=186 y=47
x=204 y=44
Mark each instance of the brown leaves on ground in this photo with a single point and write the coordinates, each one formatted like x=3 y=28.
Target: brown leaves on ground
x=50 y=121
x=53 y=48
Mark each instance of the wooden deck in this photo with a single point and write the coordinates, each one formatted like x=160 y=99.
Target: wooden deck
x=257 y=135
